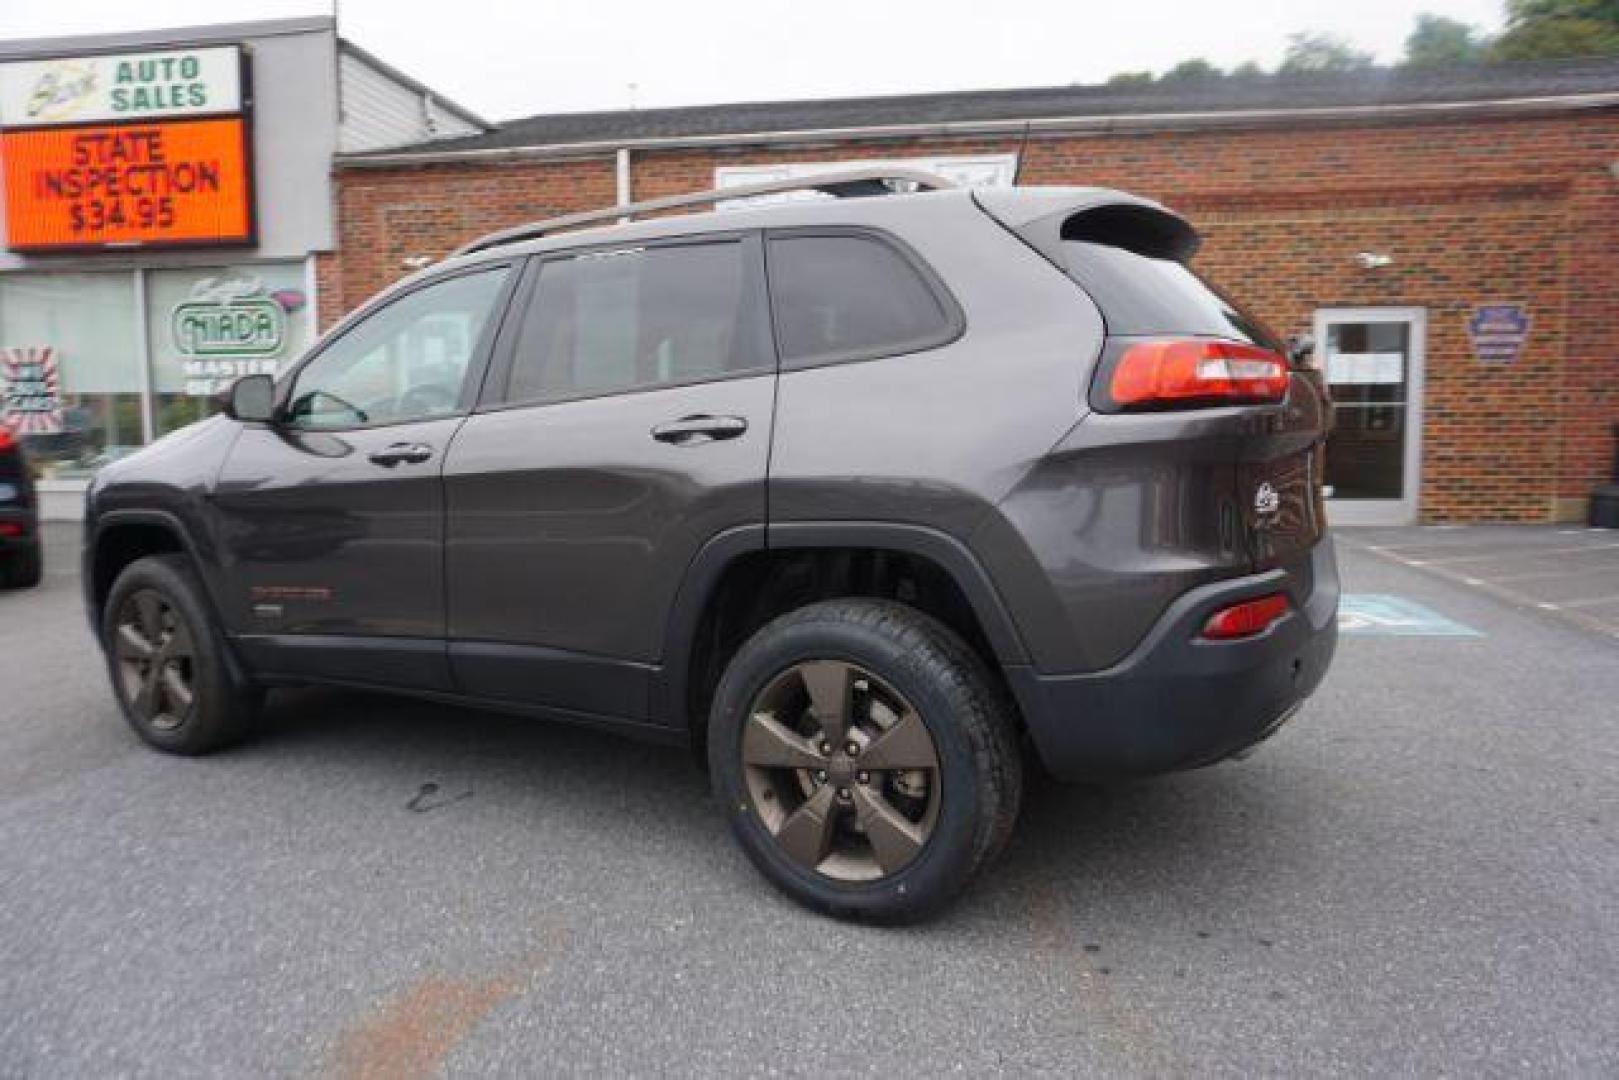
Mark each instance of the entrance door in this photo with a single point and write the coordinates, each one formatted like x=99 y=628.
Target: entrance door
x=1373 y=361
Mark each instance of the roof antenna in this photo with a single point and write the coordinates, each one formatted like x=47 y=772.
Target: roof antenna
x=1022 y=152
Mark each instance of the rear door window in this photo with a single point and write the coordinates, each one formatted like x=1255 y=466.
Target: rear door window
x=852 y=296
x=633 y=318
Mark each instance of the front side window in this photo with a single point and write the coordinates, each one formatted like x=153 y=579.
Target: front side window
x=407 y=361
x=613 y=321
x=848 y=296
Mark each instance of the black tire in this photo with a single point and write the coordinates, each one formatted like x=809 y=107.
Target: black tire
x=222 y=706
x=964 y=710
x=24 y=569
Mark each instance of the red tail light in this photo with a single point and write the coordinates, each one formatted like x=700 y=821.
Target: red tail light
x=1247 y=618
x=1190 y=372
x=7 y=439
x=9 y=529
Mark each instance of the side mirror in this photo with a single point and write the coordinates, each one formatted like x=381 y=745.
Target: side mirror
x=251 y=399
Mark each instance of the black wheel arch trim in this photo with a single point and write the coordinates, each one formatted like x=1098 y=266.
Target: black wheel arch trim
x=171 y=522
x=667 y=705
x=670 y=690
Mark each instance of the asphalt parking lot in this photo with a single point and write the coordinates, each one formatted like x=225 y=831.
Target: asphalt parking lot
x=1420 y=875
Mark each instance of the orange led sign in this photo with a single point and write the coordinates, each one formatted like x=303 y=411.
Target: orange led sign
x=128 y=185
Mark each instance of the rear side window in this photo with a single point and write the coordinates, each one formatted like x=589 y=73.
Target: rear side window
x=848 y=297
x=613 y=321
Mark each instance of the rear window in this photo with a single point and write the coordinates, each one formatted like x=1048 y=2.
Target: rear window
x=1141 y=294
x=847 y=296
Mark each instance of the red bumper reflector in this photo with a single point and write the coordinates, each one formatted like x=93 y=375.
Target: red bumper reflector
x=1247 y=618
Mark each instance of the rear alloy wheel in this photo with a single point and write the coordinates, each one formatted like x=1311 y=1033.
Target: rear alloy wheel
x=169 y=668
x=841 y=771
x=867 y=756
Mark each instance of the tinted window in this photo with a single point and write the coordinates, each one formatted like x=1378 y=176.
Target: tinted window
x=406 y=361
x=1140 y=294
x=846 y=296
x=621 y=320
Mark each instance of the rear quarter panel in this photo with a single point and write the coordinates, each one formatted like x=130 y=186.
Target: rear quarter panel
x=1126 y=514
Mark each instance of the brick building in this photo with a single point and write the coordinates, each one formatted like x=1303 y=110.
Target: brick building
x=1450 y=235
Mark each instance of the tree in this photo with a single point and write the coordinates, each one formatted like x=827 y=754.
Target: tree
x=1130 y=78
x=1248 y=69
x=1438 y=40
x=1543 y=29
x=1313 y=52
x=1553 y=38
x=1604 y=11
x=1194 y=70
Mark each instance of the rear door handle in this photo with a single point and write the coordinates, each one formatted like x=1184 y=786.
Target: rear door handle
x=414 y=453
x=702 y=428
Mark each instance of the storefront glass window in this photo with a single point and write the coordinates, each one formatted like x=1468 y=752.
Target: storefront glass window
x=209 y=325
x=70 y=375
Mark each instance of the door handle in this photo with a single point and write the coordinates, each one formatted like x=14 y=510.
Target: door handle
x=702 y=428
x=414 y=453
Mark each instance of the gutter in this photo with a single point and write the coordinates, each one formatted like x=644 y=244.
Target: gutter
x=1080 y=125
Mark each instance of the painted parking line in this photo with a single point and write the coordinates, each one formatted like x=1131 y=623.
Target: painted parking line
x=1583 y=549
x=1537 y=575
x=1377 y=614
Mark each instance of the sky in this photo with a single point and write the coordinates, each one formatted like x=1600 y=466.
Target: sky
x=522 y=57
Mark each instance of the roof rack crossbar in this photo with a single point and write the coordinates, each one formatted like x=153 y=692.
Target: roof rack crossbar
x=843 y=183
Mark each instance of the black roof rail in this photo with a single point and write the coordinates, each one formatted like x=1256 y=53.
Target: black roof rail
x=843 y=183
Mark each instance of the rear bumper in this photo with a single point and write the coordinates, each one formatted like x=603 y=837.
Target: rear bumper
x=1179 y=702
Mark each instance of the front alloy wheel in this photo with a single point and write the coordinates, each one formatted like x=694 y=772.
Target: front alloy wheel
x=156 y=661
x=841 y=770
x=173 y=679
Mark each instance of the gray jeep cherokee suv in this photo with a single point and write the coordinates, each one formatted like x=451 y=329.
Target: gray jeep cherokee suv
x=869 y=499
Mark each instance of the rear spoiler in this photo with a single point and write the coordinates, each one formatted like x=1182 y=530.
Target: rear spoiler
x=1044 y=217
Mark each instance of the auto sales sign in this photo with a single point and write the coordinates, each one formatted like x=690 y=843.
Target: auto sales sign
x=126 y=150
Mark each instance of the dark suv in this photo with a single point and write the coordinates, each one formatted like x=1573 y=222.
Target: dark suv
x=20 y=564
x=870 y=499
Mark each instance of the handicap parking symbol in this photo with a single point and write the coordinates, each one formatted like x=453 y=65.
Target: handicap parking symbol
x=1370 y=614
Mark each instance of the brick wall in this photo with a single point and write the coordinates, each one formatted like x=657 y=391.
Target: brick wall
x=1505 y=210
